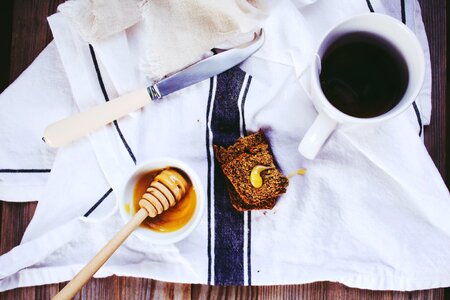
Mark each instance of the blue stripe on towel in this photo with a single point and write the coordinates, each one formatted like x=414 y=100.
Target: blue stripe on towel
x=105 y=95
x=228 y=224
x=25 y=170
x=244 y=97
x=402 y=5
x=99 y=201
x=116 y=124
x=370 y=6
x=419 y=118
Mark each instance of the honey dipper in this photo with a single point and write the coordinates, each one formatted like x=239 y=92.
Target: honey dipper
x=166 y=189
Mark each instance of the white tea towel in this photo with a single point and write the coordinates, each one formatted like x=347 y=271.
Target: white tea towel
x=39 y=95
x=371 y=212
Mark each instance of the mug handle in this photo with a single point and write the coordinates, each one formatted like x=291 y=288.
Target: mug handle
x=316 y=135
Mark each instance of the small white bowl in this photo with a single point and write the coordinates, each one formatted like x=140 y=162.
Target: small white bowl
x=126 y=197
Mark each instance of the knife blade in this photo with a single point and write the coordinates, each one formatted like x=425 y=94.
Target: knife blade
x=208 y=67
x=76 y=126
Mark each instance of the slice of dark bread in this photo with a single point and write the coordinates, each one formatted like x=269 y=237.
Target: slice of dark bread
x=237 y=162
x=240 y=205
x=242 y=145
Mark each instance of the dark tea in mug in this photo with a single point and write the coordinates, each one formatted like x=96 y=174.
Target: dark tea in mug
x=363 y=75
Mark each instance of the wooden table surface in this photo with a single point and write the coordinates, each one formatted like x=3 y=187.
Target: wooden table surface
x=24 y=33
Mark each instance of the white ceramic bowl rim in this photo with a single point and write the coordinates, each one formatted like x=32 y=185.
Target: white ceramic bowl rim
x=126 y=196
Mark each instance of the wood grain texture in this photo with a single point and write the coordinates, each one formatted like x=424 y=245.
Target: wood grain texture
x=317 y=290
x=436 y=134
x=15 y=219
x=30 y=34
x=6 y=14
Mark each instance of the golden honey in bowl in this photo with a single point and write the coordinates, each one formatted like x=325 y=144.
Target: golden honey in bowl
x=175 y=217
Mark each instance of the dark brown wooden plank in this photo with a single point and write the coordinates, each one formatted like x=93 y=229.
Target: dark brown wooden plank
x=115 y=287
x=104 y=288
x=22 y=293
x=6 y=14
x=46 y=291
x=436 y=135
x=38 y=292
x=317 y=290
x=447 y=101
x=31 y=32
x=306 y=291
x=15 y=219
x=139 y=288
x=203 y=292
x=339 y=291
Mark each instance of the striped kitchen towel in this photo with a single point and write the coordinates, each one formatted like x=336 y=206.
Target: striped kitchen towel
x=372 y=211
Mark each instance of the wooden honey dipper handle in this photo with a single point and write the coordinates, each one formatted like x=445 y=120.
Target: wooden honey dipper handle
x=176 y=186
x=69 y=291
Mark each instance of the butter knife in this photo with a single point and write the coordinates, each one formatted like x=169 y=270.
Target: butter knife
x=76 y=126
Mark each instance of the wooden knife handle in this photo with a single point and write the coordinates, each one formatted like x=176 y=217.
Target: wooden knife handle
x=74 y=127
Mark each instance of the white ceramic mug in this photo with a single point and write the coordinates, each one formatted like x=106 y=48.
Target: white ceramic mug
x=391 y=30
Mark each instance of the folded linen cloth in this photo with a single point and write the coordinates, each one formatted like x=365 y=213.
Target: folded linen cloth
x=99 y=19
x=172 y=27
x=372 y=211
